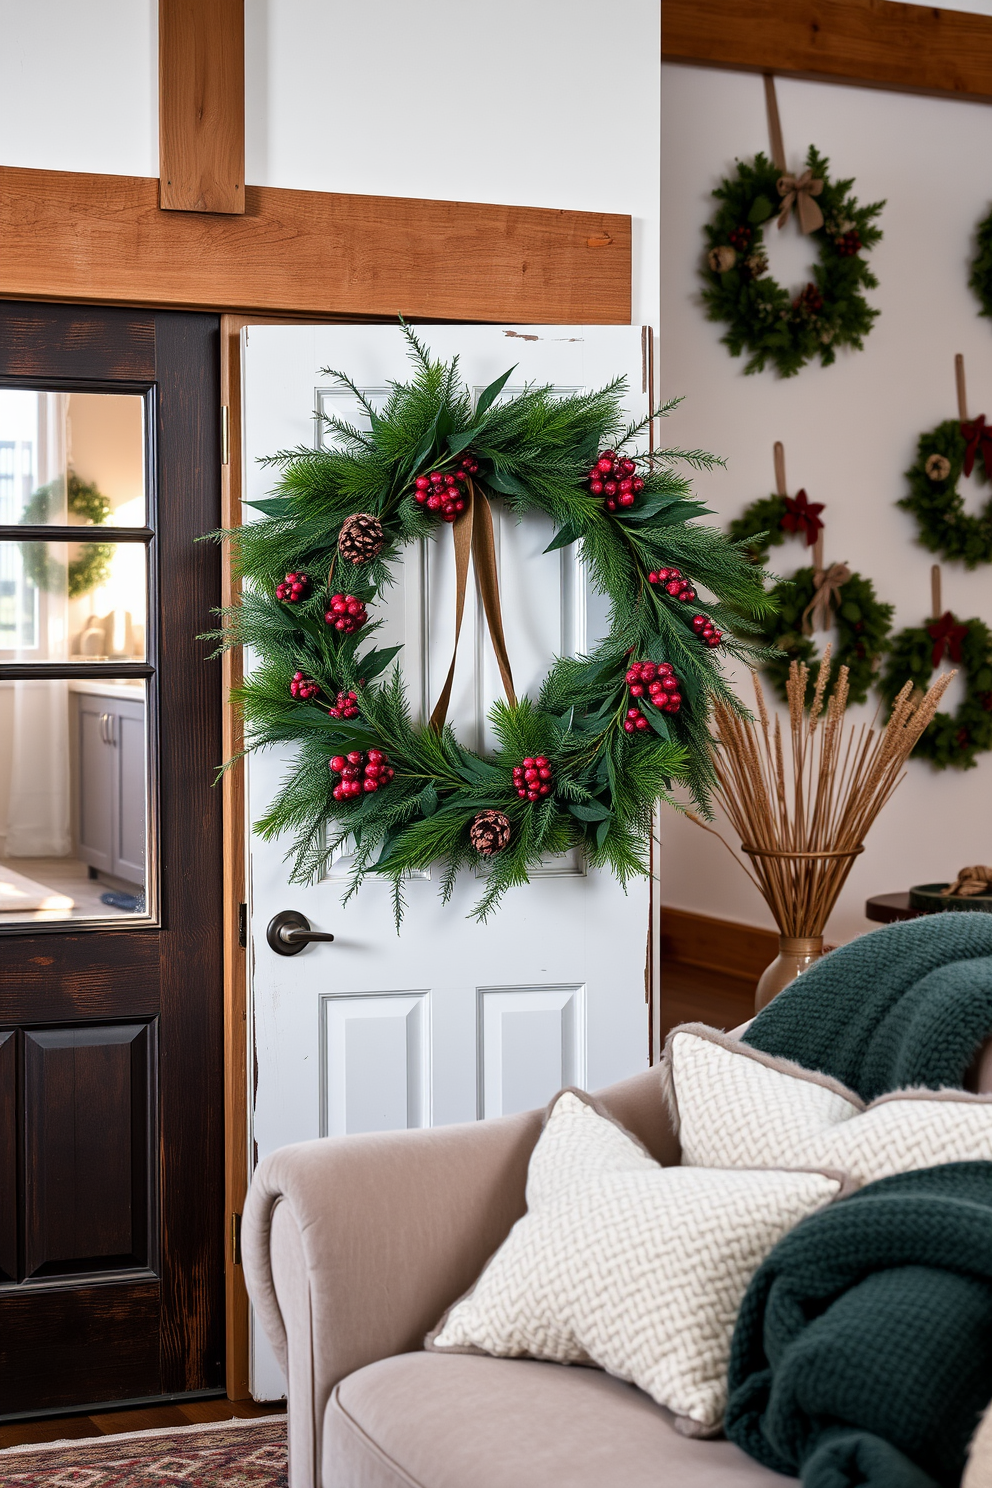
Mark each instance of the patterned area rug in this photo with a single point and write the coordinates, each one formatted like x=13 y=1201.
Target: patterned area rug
x=249 y=1454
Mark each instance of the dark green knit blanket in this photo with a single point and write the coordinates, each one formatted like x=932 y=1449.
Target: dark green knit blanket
x=863 y=1349
x=907 y=1005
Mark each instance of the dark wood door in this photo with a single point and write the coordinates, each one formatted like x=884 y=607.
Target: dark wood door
x=111 y=1077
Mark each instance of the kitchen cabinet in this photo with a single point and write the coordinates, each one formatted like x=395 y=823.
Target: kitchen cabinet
x=110 y=816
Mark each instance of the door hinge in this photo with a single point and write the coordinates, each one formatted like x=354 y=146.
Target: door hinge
x=243 y=926
x=225 y=434
x=236 y=1239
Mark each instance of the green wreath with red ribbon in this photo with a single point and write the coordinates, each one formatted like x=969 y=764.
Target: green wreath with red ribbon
x=943 y=455
x=767 y=522
x=580 y=766
x=952 y=740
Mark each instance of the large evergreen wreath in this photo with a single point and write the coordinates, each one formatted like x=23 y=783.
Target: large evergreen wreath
x=952 y=740
x=980 y=278
x=584 y=764
x=762 y=318
x=943 y=455
x=92 y=567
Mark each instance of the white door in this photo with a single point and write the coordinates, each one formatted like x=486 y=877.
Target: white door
x=449 y=1020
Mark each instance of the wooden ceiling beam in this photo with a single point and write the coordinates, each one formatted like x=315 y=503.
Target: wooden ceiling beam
x=71 y=236
x=201 y=105
x=878 y=43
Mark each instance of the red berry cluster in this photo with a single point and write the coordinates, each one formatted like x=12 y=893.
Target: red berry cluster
x=346 y=613
x=345 y=705
x=294 y=587
x=533 y=778
x=615 y=477
x=303 y=687
x=361 y=772
x=740 y=238
x=849 y=243
x=658 y=683
x=674 y=582
x=442 y=492
x=809 y=301
x=706 y=630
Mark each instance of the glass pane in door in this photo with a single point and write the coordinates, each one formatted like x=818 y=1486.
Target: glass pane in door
x=72 y=459
x=72 y=602
x=74 y=816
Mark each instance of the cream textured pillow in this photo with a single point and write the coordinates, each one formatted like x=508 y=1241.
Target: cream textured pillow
x=623 y=1263
x=739 y=1108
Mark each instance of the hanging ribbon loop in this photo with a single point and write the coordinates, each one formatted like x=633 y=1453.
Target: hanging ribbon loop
x=828 y=583
x=474 y=537
x=798 y=192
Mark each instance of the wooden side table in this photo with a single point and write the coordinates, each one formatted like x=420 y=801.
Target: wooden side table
x=885 y=909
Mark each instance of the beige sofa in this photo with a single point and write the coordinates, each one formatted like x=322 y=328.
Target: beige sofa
x=353 y=1248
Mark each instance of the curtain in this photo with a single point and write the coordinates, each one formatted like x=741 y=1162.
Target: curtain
x=38 y=816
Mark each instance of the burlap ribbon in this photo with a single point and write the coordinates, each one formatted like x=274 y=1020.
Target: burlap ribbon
x=798 y=192
x=970 y=881
x=828 y=583
x=473 y=537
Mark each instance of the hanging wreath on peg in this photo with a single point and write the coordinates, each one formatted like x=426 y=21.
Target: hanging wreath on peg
x=951 y=740
x=767 y=522
x=956 y=448
x=815 y=598
x=773 y=327
x=580 y=766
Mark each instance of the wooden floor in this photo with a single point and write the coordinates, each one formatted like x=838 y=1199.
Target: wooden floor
x=688 y=994
x=138 y=1418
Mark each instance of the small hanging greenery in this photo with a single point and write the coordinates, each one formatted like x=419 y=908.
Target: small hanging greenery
x=980 y=278
x=583 y=764
x=762 y=319
x=943 y=455
x=861 y=620
x=952 y=740
x=767 y=522
x=92 y=567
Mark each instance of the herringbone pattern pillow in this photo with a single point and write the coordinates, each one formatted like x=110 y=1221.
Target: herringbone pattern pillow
x=740 y=1108
x=626 y=1264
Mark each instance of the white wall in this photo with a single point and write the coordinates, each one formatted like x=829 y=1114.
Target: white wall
x=473 y=100
x=849 y=430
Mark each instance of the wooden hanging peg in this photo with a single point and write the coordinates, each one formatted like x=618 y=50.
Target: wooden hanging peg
x=781 y=489
x=962 y=391
x=936 y=609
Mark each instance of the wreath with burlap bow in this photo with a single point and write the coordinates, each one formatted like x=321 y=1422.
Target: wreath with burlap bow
x=955 y=448
x=825 y=599
x=951 y=740
x=773 y=327
x=580 y=766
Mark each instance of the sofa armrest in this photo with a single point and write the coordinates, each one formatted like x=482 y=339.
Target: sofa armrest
x=353 y=1247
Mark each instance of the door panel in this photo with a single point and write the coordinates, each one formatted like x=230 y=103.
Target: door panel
x=449 y=1020
x=111 y=1036
x=89 y=1142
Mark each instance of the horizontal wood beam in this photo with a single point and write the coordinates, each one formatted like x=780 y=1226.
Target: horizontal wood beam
x=201 y=105
x=879 y=43
x=72 y=236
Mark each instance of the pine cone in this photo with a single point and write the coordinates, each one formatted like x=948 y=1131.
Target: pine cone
x=489 y=832
x=721 y=259
x=938 y=467
x=361 y=538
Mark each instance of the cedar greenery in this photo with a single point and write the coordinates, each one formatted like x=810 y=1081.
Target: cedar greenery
x=759 y=527
x=533 y=451
x=762 y=319
x=944 y=525
x=951 y=740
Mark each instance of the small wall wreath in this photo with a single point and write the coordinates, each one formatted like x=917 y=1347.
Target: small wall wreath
x=951 y=740
x=768 y=521
x=862 y=623
x=955 y=448
x=92 y=567
x=583 y=764
x=762 y=318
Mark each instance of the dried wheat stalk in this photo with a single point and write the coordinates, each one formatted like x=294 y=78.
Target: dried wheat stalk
x=802 y=807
